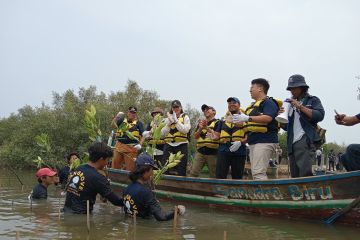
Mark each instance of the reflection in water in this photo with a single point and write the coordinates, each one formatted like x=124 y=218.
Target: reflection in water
x=108 y=221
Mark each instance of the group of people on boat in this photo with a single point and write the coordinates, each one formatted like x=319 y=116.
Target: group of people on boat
x=220 y=144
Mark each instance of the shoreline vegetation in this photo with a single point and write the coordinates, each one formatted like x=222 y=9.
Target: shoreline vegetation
x=63 y=123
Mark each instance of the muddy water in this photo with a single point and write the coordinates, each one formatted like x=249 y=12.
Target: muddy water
x=19 y=219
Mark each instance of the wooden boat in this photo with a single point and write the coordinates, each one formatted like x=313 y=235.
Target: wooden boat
x=314 y=198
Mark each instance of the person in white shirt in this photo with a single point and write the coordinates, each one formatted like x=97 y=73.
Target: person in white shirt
x=176 y=136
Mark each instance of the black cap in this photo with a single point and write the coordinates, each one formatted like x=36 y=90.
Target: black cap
x=133 y=109
x=205 y=107
x=175 y=103
x=235 y=99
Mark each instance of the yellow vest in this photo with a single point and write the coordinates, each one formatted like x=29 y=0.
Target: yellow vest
x=231 y=133
x=174 y=135
x=156 y=142
x=255 y=109
x=203 y=141
x=132 y=127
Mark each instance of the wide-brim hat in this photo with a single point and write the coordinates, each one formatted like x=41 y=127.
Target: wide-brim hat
x=157 y=110
x=296 y=80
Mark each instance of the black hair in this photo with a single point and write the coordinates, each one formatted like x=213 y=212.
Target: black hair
x=99 y=150
x=72 y=154
x=263 y=82
x=139 y=171
x=39 y=180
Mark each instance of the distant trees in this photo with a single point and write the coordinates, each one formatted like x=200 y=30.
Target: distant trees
x=62 y=122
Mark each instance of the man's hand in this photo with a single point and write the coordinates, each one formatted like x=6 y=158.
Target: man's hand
x=235 y=146
x=137 y=147
x=240 y=118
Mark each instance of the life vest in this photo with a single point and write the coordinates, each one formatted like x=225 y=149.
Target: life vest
x=174 y=135
x=231 y=133
x=156 y=142
x=256 y=109
x=132 y=128
x=203 y=141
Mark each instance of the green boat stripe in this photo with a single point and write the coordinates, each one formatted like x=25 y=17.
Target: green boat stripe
x=316 y=204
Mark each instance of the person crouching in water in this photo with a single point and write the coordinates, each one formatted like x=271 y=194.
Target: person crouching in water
x=139 y=199
x=85 y=182
x=45 y=177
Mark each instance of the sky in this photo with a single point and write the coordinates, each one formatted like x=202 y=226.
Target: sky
x=201 y=51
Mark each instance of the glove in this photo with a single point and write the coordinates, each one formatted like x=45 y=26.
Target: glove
x=170 y=120
x=240 y=118
x=181 y=209
x=235 y=146
x=137 y=147
x=146 y=134
x=175 y=117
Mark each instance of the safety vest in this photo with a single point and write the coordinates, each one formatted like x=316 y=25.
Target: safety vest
x=256 y=109
x=231 y=133
x=174 y=135
x=156 y=142
x=203 y=141
x=132 y=128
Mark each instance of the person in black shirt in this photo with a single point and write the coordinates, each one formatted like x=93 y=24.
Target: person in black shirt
x=139 y=199
x=65 y=171
x=46 y=177
x=85 y=182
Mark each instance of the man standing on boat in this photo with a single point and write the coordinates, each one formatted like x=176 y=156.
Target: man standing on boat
x=351 y=158
x=206 y=147
x=305 y=113
x=126 y=149
x=175 y=134
x=232 y=149
x=261 y=127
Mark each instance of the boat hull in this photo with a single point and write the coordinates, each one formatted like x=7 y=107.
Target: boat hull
x=315 y=198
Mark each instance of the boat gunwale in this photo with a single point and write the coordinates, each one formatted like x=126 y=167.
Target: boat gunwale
x=282 y=181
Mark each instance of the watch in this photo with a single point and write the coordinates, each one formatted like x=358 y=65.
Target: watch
x=250 y=119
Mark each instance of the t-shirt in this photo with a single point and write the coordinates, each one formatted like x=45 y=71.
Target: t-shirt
x=39 y=192
x=63 y=175
x=85 y=183
x=269 y=108
x=225 y=147
x=141 y=201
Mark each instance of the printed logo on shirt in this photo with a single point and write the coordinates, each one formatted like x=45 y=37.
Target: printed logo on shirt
x=129 y=205
x=76 y=183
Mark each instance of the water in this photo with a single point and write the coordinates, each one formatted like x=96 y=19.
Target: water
x=20 y=220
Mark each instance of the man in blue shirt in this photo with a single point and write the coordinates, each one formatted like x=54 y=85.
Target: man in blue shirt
x=261 y=127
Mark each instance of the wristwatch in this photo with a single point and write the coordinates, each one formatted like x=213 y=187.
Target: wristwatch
x=250 y=119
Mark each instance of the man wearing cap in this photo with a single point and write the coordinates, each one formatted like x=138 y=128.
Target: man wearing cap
x=175 y=134
x=127 y=148
x=85 y=182
x=138 y=199
x=148 y=135
x=232 y=139
x=305 y=113
x=206 y=147
x=261 y=127
x=45 y=177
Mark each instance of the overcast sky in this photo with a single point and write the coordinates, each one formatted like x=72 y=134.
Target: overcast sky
x=195 y=51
